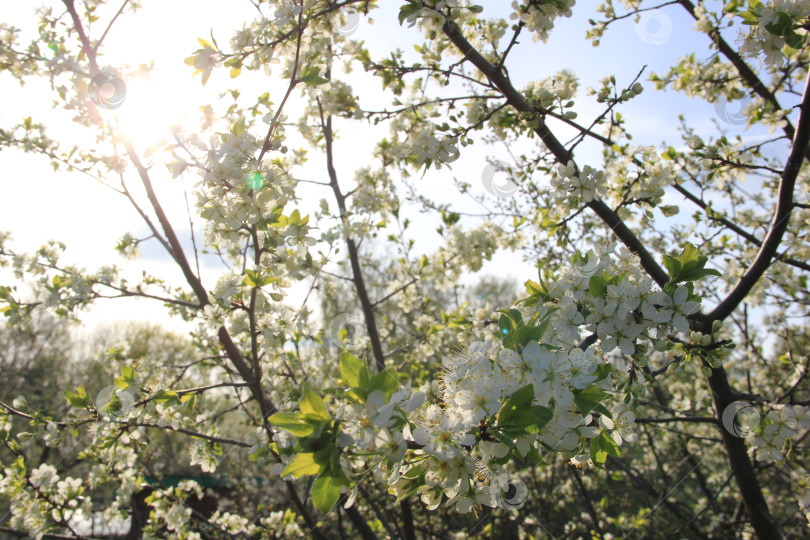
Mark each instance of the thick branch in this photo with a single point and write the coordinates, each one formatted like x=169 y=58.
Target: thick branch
x=779 y=223
x=744 y=474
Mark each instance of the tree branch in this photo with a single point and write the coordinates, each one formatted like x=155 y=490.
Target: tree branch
x=779 y=223
x=354 y=258
x=561 y=154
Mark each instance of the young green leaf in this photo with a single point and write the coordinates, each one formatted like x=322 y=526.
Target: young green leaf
x=79 y=398
x=353 y=370
x=586 y=399
x=313 y=407
x=311 y=76
x=325 y=492
x=292 y=423
x=602 y=446
x=386 y=381
x=302 y=464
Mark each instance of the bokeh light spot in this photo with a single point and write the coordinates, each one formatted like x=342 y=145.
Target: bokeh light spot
x=254 y=181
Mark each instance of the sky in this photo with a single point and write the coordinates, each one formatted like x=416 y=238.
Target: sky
x=38 y=204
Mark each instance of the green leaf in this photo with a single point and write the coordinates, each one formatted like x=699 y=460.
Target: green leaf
x=597 y=286
x=295 y=217
x=292 y=423
x=689 y=255
x=407 y=10
x=127 y=378
x=535 y=456
x=311 y=76
x=602 y=371
x=313 y=407
x=386 y=381
x=669 y=210
x=672 y=265
x=78 y=398
x=794 y=41
x=525 y=334
x=522 y=397
x=782 y=26
x=325 y=492
x=301 y=465
x=414 y=472
x=238 y=127
x=518 y=413
x=586 y=399
x=353 y=370
x=749 y=17
x=532 y=287
x=190 y=400
x=601 y=409
x=166 y=396
x=694 y=275
x=530 y=419
x=450 y=218
x=250 y=278
x=688 y=266
x=510 y=321
x=114 y=406
x=602 y=446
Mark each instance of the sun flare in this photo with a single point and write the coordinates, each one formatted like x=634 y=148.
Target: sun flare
x=152 y=107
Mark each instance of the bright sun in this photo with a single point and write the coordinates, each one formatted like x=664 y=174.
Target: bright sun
x=152 y=106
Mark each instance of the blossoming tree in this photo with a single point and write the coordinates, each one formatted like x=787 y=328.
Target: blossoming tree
x=651 y=383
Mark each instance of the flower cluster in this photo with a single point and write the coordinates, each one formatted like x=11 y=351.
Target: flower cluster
x=556 y=90
x=771 y=29
x=539 y=16
x=615 y=300
x=42 y=499
x=574 y=187
x=467 y=438
x=783 y=422
x=426 y=148
x=537 y=391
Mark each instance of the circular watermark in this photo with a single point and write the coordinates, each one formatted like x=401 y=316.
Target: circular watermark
x=740 y=419
x=114 y=403
x=508 y=492
x=108 y=90
x=654 y=27
x=347 y=331
x=42 y=323
x=497 y=180
x=585 y=266
x=352 y=22
x=732 y=112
